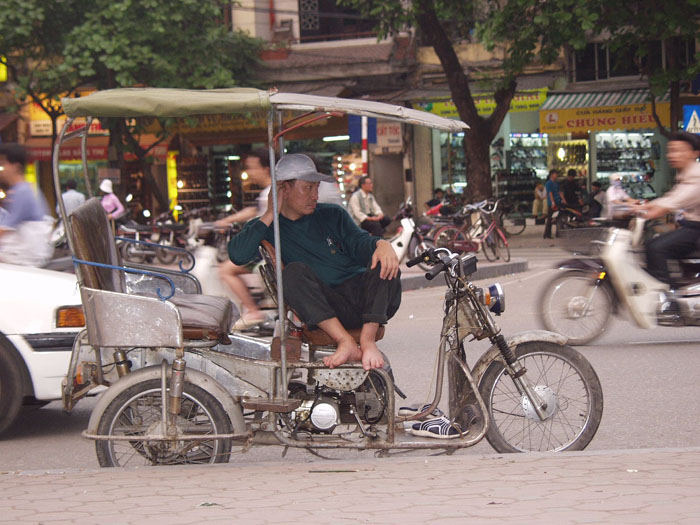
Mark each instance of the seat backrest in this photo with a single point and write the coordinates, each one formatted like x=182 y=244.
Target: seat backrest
x=93 y=241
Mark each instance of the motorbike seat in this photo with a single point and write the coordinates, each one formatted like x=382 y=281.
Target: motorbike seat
x=315 y=337
x=202 y=317
x=172 y=226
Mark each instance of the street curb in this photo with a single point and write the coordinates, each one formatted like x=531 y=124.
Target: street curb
x=487 y=271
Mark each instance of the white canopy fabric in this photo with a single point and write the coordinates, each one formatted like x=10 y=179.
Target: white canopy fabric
x=167 y=102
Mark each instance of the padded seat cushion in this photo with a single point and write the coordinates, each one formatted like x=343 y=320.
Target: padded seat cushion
x=205 y=316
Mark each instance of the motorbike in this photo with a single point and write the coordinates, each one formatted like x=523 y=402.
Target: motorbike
x=408 y=241
x=581 y=299
x=177 y=388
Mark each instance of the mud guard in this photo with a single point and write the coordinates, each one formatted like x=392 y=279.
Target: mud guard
x=232 y=408
x=583 y=264
x=513 y=341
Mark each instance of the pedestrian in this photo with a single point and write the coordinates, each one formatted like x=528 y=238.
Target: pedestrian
x=110 y=202
x=25 y=224
x=554 y=200
x=438 y=196
x=365 y=211
x=539 y=203
x=72 y=198
x=571 y=191
x=336 y=276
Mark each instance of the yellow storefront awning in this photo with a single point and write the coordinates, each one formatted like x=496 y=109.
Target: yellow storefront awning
x=602 y=111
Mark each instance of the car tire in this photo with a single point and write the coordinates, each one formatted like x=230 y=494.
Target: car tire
x=11 y=391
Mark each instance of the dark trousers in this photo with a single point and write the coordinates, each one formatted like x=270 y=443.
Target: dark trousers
x=362 y=299
x=548 y=223
x=375 y=228
x=671 y=245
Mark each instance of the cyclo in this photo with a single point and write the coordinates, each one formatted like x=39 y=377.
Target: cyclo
x=181 y=389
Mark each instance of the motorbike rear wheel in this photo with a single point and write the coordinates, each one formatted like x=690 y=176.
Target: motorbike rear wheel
x=137 y=412
x=567 y=383
x=164 y=255
x=576 y=306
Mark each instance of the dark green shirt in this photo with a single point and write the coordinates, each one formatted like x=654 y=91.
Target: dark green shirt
x=328 y=241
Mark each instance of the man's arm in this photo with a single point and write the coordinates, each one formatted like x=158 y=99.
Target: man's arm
x=243 y=215
x=243 y=247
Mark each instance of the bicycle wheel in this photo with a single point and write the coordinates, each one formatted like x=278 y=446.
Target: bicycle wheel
x=452 y=238
x=565 y=381
x=137 y=411
x=513 y=221
x=574 y=305
x=502 y=245
x=490 y=247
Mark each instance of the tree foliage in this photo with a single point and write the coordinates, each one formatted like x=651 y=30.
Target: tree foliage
x=52 y=47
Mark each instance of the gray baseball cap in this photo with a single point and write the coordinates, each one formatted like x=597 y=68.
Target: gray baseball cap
x=298 y=166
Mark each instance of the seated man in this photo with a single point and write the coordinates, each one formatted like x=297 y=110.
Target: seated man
x=336 y=276
x=365 y=211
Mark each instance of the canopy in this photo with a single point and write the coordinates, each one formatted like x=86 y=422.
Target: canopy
x=167 y=102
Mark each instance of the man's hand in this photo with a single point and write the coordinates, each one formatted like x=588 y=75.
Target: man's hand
x=385 y=255
x=268 y=216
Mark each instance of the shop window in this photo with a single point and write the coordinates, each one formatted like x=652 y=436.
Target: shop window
x=321 y=20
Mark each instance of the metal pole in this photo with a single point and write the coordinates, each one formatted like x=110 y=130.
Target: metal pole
x=278 y=253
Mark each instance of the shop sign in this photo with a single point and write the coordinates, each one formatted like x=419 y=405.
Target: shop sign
x=603 y=118
x=40 y=123
x=527 y=100
x=691 y=119
x=389 y=134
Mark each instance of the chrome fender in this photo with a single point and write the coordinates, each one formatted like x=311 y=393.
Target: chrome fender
x=493 y=353
x=584 y=264
x=231 y=407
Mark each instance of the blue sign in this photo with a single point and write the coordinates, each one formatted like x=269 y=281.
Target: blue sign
x=355 y=129
x=691 y=119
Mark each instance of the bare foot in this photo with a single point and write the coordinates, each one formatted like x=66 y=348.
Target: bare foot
x=347 y=351
x=371 y=356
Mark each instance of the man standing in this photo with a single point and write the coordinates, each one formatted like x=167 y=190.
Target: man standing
x=71 y=197
x=553 y=200
x=24 y=223
x=571 y=191
x=365 y=211
x=336 y=276
x=683 y=154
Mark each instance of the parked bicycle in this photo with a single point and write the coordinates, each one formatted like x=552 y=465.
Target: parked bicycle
x=478 y=229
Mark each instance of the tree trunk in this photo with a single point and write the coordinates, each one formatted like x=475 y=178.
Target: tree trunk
x=477 y=140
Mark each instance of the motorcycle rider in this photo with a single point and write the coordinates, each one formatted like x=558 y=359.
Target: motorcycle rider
x=683 y=154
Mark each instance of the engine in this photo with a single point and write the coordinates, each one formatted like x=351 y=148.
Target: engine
x=323 y=409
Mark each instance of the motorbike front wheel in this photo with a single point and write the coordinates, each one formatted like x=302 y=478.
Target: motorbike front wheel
x=137 y=413
x=564 y=380
x=577 y=306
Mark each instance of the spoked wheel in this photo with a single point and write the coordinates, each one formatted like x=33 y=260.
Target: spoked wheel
x=452 y=238
x=495 y=247
x=164 y=255
x=564 y=380
x=513 y=221
x=576 y=306
x=137 y=413
x=132 y=253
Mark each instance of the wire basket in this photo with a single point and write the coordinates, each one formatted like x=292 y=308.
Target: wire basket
x=583 y=241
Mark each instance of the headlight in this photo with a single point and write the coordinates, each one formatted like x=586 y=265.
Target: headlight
x=495 y=298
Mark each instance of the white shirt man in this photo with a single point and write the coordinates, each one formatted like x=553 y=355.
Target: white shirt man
x=365 y=211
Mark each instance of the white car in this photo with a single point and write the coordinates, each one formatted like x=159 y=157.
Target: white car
x=40 y=316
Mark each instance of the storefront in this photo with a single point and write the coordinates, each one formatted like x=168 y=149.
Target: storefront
x=518 y=151
x=602 y=133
